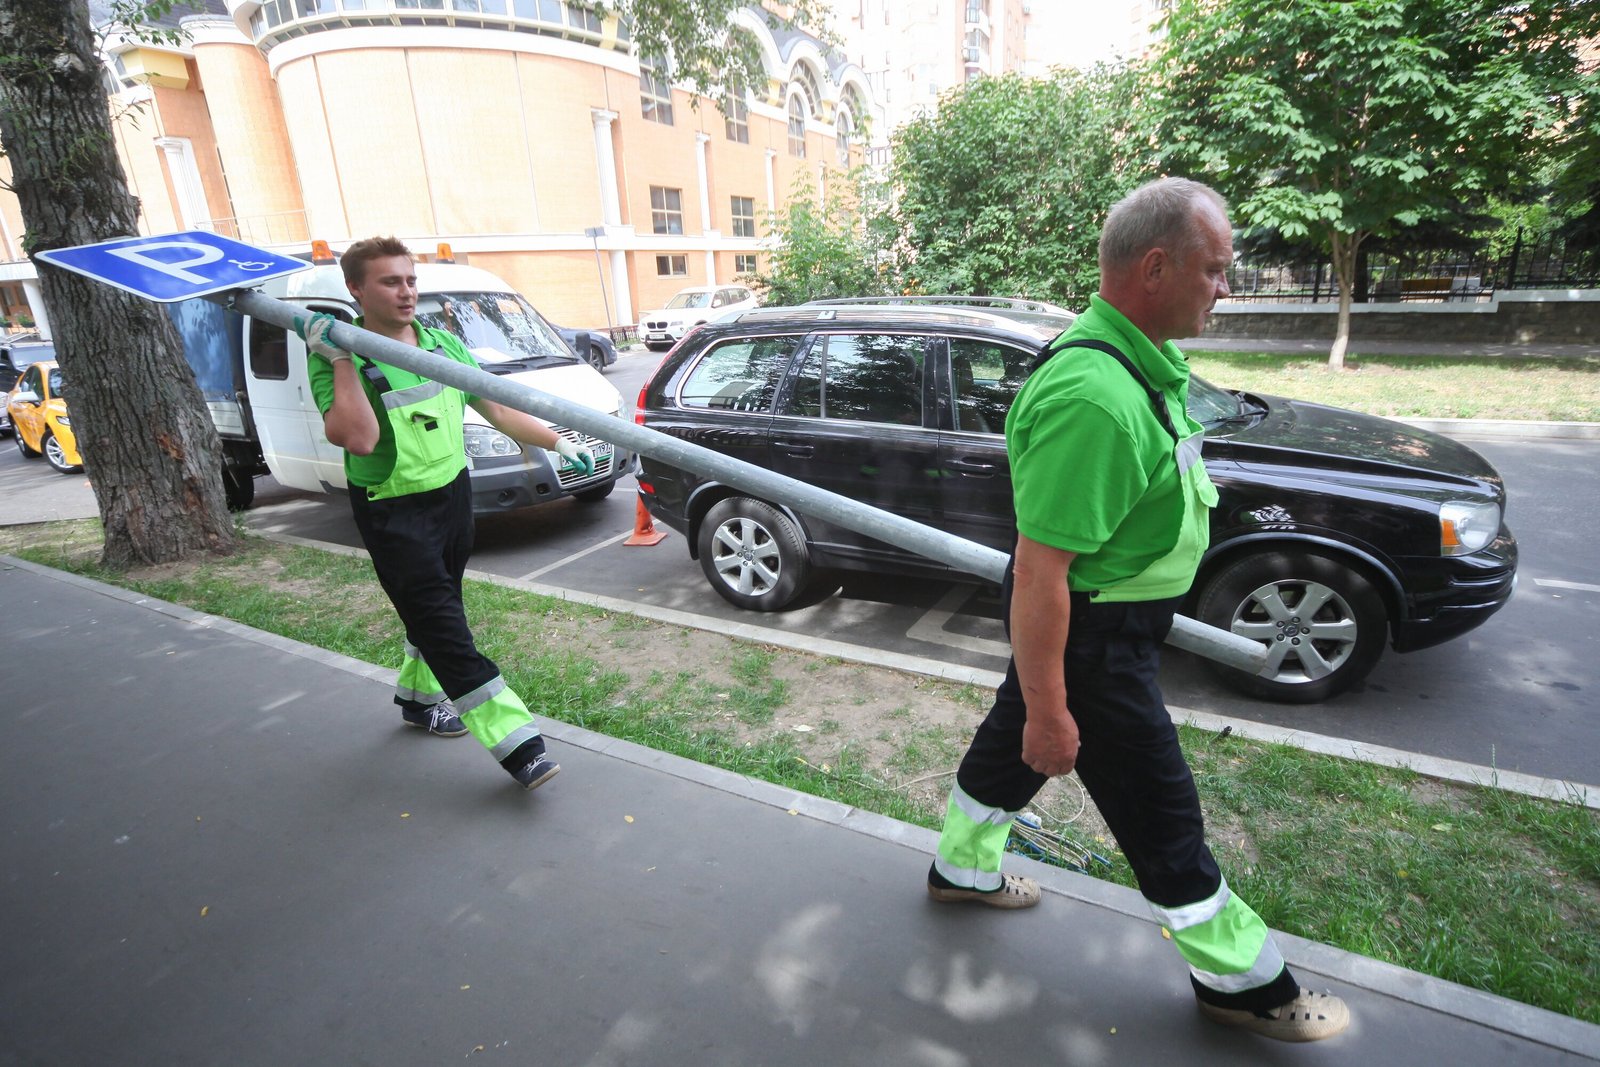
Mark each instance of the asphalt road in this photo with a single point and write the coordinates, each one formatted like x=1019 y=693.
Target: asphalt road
x=1514 y=694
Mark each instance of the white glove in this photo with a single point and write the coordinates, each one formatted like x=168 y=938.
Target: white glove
x=315 y=333
x=574 y=456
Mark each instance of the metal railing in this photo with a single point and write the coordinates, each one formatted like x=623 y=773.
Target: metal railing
x=1470 y=273
x=955 y=552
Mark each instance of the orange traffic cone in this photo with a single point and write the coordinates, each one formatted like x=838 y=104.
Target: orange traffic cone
x=644 y=530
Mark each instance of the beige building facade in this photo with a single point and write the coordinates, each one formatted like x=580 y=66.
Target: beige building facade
x=523 y=133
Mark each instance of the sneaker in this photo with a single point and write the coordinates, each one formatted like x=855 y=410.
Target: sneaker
x=441 y=719
x=532 y=775
x=1015 y=892
x=1308 y=1017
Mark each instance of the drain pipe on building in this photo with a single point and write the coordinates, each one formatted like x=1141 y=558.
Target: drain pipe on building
x=955 y=552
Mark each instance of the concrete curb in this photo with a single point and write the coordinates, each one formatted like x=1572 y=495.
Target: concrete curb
x=1572 y=431
x=1528 y=1023
x=1471 y=774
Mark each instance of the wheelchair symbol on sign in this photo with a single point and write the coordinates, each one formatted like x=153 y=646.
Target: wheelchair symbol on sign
x=250 y=266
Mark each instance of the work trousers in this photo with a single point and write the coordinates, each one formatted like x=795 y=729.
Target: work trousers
x=420 y=544
x=1130 y=762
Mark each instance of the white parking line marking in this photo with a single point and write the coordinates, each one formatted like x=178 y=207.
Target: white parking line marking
x=558 y=564
x=930 y=627
x=1552 y=583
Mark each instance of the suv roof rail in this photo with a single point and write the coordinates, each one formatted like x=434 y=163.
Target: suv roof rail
x=1012 y=303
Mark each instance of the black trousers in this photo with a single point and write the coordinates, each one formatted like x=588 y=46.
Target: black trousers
x=419 y=546
x=1129 y=760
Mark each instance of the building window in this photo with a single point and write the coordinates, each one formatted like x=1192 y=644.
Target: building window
x=738 y=119
x=797 y=127
x=666 y=210
x=744 y=263
x=841 y=136
x=744 y=216
x=655 y=92
x=672 y=266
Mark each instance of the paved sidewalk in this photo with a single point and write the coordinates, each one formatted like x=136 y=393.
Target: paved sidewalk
x=222 y=847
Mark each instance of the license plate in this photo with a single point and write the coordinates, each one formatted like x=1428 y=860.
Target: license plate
x=600 y=449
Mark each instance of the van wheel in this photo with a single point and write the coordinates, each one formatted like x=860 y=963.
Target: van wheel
x=753 y=555
x=1322 y=622
x=238 y=488
x=22 y=446
x=56 y=456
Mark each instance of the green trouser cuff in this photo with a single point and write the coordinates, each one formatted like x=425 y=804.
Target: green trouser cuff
x=416 y=683
x=1227 y=946
x=497 y=717
x=972 y=842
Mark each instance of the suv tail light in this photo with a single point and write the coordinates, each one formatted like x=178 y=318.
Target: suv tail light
x=638 y=405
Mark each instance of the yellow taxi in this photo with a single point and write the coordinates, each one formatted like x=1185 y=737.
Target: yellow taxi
x=38 y=409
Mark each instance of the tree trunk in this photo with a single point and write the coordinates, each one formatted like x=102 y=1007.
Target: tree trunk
x=1344 y=247
x=148 y=444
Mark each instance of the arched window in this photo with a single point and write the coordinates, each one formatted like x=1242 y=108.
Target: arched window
x=843 y=128
x=797 y=127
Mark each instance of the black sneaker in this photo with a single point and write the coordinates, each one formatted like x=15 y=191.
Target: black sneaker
x=440 y=719
x=532 y=775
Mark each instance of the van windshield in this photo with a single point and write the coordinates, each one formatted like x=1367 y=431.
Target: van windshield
x=497 y=327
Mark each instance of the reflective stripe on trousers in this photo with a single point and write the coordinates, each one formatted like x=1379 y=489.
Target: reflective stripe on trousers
x=497 y=717
x=972 y=842
x=1227 y=946
x=416 y=683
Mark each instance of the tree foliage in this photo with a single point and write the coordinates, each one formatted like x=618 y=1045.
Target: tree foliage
x=1337 y=120
x=1004 y=190
x=694 y=37
x=833 y=245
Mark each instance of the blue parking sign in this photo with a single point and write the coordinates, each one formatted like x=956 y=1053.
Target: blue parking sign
x=175 y=266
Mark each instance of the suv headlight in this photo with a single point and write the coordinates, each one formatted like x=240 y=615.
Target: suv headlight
x=486 y=441
x=1466 y=527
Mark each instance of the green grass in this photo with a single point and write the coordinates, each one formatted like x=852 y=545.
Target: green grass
x=1419 y=386
x=1493 y=890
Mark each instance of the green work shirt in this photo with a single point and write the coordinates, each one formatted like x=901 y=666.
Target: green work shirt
x=1092 y=470
x=376 y=467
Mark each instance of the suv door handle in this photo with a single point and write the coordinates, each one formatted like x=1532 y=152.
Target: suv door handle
x=797 y=449
x=977 y=468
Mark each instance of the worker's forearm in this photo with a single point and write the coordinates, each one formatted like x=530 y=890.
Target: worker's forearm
x=350 y=422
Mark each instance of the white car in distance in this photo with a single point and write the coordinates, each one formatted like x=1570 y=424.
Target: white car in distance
x=664 y=327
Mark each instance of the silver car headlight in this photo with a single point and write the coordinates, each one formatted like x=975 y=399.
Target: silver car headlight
x=1466 y=527
x=486 y=441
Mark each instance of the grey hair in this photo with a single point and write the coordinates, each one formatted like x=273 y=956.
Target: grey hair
x=1159 y=214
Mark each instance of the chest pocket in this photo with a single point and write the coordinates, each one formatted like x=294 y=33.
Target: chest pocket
x=422 y=419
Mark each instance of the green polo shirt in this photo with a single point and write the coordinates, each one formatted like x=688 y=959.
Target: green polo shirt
x=375 y=468
x=1092 y=470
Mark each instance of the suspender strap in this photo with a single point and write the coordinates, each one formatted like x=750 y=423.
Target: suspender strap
x=1156 y=400
x=369 y=371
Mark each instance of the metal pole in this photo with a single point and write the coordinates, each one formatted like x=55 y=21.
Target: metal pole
x=958 y=553
x=594 y=233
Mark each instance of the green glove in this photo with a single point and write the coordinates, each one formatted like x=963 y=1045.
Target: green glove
x=315 y=334
x=574 y=457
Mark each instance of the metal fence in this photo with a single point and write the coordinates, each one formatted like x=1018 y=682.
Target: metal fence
x=1470 y=273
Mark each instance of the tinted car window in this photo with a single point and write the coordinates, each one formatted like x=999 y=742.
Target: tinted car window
x=863 y=377
x=738 y=375
x=985 y=380
x=58 y=388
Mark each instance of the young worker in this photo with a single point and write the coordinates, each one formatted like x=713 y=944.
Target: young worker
x=412 y=499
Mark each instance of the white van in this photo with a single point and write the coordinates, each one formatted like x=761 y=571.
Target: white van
x=253 y=376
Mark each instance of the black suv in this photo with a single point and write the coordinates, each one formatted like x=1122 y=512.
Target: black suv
x=1334 y=530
